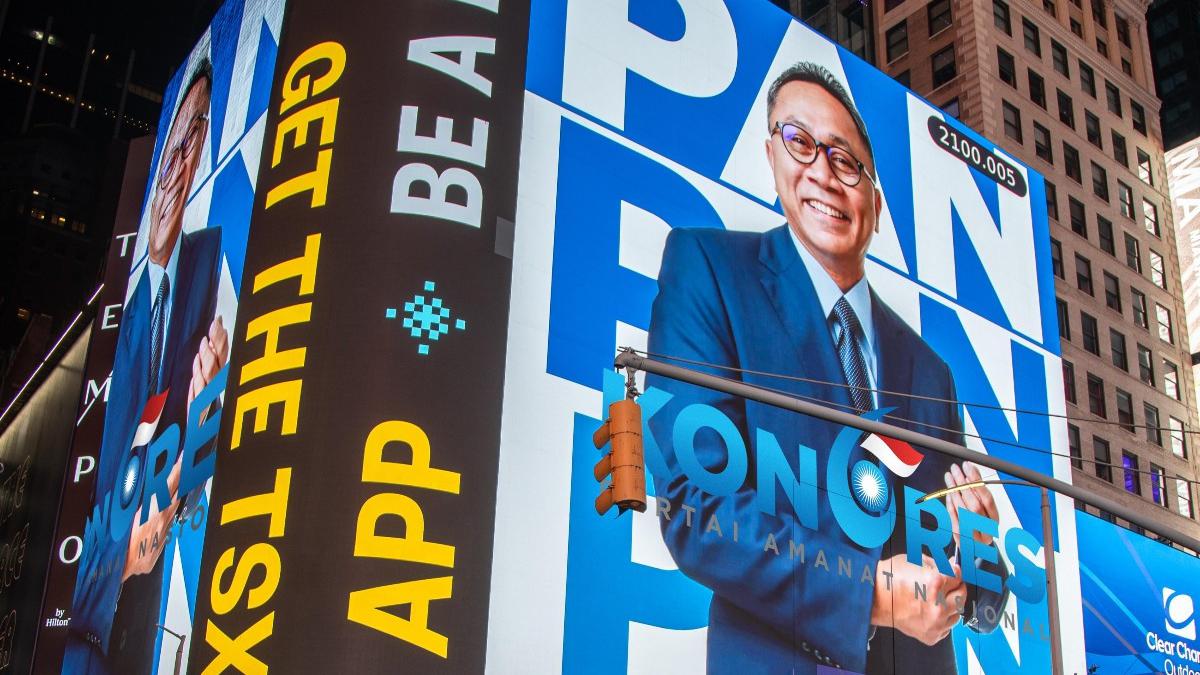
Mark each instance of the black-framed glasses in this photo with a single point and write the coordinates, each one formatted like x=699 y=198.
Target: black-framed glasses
x=172 y=157
x=804 y=149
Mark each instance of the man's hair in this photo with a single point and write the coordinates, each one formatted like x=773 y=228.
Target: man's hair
x=807 y=71
x=202 y=71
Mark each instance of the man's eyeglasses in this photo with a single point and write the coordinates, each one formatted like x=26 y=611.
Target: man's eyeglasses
x=173 y=156
x=804 y=149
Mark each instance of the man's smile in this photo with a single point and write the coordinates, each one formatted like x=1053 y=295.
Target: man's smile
x=825 y=209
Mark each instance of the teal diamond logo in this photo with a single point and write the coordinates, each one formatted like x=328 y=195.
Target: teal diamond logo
x=426 y=318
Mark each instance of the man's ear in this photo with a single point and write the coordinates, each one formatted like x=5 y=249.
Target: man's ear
x=770 y=152
x=878 y=208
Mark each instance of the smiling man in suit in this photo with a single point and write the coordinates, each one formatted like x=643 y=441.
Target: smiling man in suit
x=795 y=301
x=171 y=345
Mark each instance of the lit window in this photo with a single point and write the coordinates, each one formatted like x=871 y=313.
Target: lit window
x=1150 y=217
x=1178 y=444
x=1133 y=481
x=1170 y=379
x=1166 y=332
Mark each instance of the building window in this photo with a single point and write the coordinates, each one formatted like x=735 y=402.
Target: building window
x=1104 y=228
x=1008 y=68
x=1033 y=39
x=1103 y=459
x=1012 y=121
x=1120 y=153
x=951 y=107
x=1114 y=98
x=944 y=68
x=1125 y=410
x=1051 y=200
x=1001 y=16
x=1138 y=302
x=1133 y=253
x=1150 y=217
x=1145 y=170
x=1123 y=30
x=1058 y=54
x=904 y=78
x=1170 y=379
x=1096 y=402
x=940 y=19
x=1078 y=217
x=1087 y=79
x=1119 y=357
x=1112 y=292
x=1075 y=446
x=1126 y=67
x=1153 y=429
x=1139 y=117
x=1037 y=89
x=897 y=40
x=1099 y=181
x=1157 y=275
x=1102 y=47
x=1066 y=109
x=889 y=5
x=1125 y=197
x=1071 y=161
x=1041 y=143
x=1132 y=474
x=1076 y=28
x=1056 y=260
x=1145 y=365
x=1083 y=274
x=1166 y=331
x=1183 y=490
x=1092 y=124
x=1158 y=483
x=1178 y=444
x=1091 y=333
x=1050 y=7
x=1098 y=14
x=1064 y=319
x=1069 y=381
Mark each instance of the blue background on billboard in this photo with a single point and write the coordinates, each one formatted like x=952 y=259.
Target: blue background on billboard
x=591 y=292
x=1123 y=575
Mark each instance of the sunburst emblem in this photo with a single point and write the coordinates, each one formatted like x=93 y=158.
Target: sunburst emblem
x=870 y=486
x=133 y=470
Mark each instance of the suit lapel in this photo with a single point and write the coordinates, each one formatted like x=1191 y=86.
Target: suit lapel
x=893 y=363
x=137 y=332
x=791 y=292
x=179 y=332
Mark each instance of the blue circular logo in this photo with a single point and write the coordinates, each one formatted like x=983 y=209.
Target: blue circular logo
x=870 y=486
x=130 y=478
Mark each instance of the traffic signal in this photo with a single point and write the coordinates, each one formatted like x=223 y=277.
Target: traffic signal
x=624 y=460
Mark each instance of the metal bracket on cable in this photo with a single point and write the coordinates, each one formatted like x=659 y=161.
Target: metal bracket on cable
x=631 y=390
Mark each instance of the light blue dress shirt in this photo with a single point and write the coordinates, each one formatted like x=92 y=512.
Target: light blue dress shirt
x=859 y=297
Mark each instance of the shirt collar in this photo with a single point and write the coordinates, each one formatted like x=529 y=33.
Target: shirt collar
x=156 y=272
x=828 y=293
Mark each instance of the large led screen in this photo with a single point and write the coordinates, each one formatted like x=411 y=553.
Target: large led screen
x=717 y=184
x=137 y=557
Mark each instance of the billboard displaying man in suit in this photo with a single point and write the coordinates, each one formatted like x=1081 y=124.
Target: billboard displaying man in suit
x=172 y=344
x=795 y=301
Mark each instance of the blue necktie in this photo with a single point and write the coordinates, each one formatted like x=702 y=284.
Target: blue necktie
x=157 y=319
x=854 y=367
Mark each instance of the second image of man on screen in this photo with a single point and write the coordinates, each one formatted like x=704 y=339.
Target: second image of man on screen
x=172 y=344
x=795 y=301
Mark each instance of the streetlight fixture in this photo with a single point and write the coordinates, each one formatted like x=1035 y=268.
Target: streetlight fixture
x=182 y=637
x=1047 y=546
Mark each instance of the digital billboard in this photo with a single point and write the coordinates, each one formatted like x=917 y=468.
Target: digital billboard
x=463 y=209
x=1139 y=608
x=137 y=556
x=722 y=187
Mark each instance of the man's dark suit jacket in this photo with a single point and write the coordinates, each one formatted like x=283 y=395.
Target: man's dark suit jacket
x=98 y=584
x=745 y=300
